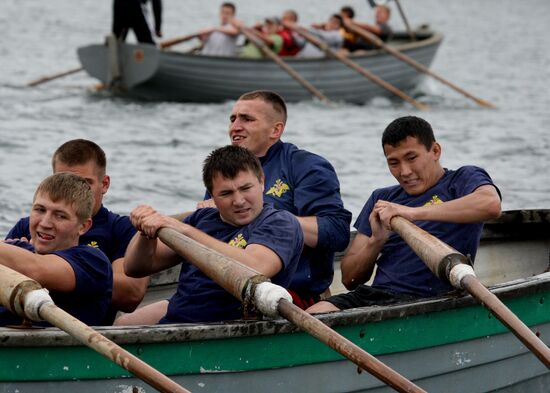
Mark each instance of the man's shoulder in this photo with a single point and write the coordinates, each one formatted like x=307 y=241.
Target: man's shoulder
x=108 y=220
x=20 y=229
x=83 y=253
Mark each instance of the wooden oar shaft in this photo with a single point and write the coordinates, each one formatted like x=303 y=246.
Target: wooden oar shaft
x=230 y=274
x=14 y=288
x=345 y=347
x=441 y=259
x=353 y=65
x=178 y=40
x=375 y=40
x=109 y=349
x=236 y=279
x=405 y=20
x=52 y=77
x=277 y=59
x=508 y=318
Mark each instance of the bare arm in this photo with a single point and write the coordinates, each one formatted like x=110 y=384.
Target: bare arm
x=358 y=263
x=128 y=292
x=481 y=205
x=51 y=271
x=310 y=229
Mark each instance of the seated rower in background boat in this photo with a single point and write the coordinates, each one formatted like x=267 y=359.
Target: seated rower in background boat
x=292 y=42
x=110 y=232
x=267 y=32
x=78 y=277
x=221 y=40
x=328 y=32
x=381 y=28
x=450 y=204
x=259 y=236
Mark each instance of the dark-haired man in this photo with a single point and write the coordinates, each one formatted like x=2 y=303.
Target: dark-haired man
x=110 y=232
x=298 y=181
x=221 y=40
x=242 y=227
x=79 y=278
x=450 y=204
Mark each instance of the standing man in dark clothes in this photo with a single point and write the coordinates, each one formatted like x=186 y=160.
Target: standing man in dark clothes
x=110 y=232
x=128 y=14
x=78 y=277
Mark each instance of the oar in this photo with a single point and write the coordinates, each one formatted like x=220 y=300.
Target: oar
x=353 y=65
x=251 y=287
x=375 y=40
x=251 y=35
x=55 y=76
x=448 y=264
x=25 y=297
x=178 y=40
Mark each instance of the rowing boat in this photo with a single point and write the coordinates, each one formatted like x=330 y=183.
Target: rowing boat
x=145 y=72
x=446 y=344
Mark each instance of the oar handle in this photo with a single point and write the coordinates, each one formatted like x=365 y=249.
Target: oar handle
x=447 y=263
x=437 y=255
x=345 y=347
x=178 y=40
x=19 y=294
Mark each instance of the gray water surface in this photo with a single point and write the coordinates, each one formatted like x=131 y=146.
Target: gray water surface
x=496 y=49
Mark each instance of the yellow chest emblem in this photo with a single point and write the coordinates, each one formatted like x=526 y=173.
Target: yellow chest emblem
x=239 y=241
x=434 y=201
x=278 y=189
x=93 y=244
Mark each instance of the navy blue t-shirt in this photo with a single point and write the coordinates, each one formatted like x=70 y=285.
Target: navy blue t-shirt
x=198 y=298
x=91 y=297
x=399 y=269
x=110 y=232
x=306 y=184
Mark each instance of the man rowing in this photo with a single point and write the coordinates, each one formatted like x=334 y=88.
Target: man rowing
x=450 y=204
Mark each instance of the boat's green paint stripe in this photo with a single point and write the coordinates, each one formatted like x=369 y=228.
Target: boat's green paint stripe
x=264 y=352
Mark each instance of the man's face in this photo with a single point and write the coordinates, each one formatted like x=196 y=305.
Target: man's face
x=413 y=166
x=253 y=124
x=54 y=225
x=382 y=15
x=226 y=13
x=332 y=24
x=99 y=184
x=239 y=200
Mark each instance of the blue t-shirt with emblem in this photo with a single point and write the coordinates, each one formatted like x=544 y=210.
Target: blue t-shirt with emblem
x=91 y=297
x=198 y=298
x=110 y=232
x=306 y=184
x=399 y=269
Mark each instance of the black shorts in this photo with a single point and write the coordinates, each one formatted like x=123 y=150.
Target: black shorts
x=365 y=295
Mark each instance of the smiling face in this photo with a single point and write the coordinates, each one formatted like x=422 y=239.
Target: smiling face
x=239 y=200
x=255 y=125
x=99 y=182
x=55 y=225
x=415 y=167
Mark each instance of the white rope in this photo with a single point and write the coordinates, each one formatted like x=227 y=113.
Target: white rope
x=458 y=272
x=267 y=297
x=34 y=300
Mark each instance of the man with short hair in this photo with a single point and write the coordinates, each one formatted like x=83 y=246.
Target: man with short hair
x=292 y=42
x=450 y=204
x=329 y=32
x=78 y=277
x=110 y=232
x=242 y=227
x=221 y=40
x=298 y=181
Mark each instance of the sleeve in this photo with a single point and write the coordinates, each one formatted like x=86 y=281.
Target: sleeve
x=280 y=232
x=19 y=230
x=468 y=178
x=317 y=193
x=362 y=224
x=92 y=269
x=124 y=232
